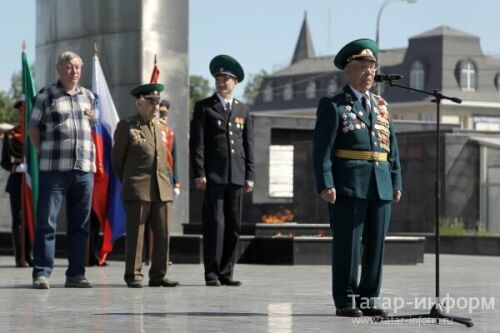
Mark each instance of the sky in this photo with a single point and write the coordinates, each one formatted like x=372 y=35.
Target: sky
x=261 y=34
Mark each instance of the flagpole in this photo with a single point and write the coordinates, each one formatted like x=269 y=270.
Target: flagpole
x=22 y=236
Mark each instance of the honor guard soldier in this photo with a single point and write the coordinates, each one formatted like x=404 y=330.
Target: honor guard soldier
x=221 y=144
x=12 y=162
x=168 y=138
x=356 y=162
x=139 y=160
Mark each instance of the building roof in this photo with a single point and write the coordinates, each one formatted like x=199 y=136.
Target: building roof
x=324 y=64
x=440 y=51
x=443 y=30
x=307 y=66
x=304 y=60
x=304 y=48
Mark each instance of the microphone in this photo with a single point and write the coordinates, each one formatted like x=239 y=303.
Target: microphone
x=387 y=77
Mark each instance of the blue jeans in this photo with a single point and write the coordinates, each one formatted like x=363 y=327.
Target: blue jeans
x=76 y=186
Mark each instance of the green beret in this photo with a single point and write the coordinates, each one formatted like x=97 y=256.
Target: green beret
x=150 y=90
x=226 y=65
x=357 y=49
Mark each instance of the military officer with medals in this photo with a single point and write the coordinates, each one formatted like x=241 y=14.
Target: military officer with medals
x=139 y=159
x=358 y=173
x=222 y=160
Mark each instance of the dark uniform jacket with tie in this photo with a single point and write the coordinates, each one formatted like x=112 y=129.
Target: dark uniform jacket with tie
x=221 y=142
x=343 y=124
x=12 y=154
x=139 y=159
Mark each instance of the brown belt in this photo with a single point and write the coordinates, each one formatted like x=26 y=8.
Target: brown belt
x=361 y=155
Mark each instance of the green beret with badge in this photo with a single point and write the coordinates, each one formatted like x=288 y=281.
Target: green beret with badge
x=226 y=65
x=363 y=48
x=149 y=91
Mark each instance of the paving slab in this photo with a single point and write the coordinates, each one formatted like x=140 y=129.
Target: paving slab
x=277 y=299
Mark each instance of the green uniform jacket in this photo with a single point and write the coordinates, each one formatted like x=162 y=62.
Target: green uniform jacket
x=342 y=123
x=139 y=159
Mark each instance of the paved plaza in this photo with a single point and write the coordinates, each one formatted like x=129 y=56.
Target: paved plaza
x=276 y=299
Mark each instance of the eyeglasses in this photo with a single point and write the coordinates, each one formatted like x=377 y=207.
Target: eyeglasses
x=366 y=68
x=154 y=101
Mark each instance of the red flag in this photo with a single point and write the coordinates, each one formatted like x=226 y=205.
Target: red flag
x=156 y=73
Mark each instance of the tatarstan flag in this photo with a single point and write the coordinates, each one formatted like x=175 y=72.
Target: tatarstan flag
x=30 y=177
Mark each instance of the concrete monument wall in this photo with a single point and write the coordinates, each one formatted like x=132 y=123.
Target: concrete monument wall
x=128 y=34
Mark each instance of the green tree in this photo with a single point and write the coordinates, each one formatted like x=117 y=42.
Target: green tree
x=253 y=86
x=7 y=112
x=199 y=88
x=16 y=84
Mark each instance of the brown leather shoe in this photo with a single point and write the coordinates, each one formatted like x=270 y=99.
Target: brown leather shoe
x=348 y=311
x=163 y=283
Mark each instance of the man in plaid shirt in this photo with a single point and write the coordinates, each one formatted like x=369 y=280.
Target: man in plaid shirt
x=61 y=132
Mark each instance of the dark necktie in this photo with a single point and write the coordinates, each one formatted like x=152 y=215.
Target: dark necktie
x=364 y=102
x=227 y=107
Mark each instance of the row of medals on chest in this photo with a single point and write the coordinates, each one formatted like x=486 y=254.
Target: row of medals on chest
x=351 y=122
x=239 y=123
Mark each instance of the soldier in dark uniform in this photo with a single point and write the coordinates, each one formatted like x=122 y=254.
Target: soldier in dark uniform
x=12 y=161
x=221 y=144
x=356 y=162
x=139 y=159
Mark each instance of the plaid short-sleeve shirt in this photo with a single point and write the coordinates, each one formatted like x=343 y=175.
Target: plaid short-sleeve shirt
x=65 y=131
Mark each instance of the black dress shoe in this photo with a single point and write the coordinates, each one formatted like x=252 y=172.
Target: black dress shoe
x=29 y=260
x=372 y=312
x=349 y=311
x=163 y=283
x=212 y=283
x=230 y=282
x=93 y=261
x=134 y=284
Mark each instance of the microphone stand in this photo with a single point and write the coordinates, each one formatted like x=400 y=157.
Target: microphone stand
x=438 y=311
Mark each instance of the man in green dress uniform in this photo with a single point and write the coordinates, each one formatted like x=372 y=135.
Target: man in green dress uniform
x=358 y=173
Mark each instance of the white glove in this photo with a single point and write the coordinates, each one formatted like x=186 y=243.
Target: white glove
x=177 y=192
x=21 y=168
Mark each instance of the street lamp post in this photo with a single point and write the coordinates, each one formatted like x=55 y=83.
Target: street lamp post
x=377 y=34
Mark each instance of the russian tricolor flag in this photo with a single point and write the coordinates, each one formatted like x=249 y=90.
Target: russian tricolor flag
x=106 y=201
